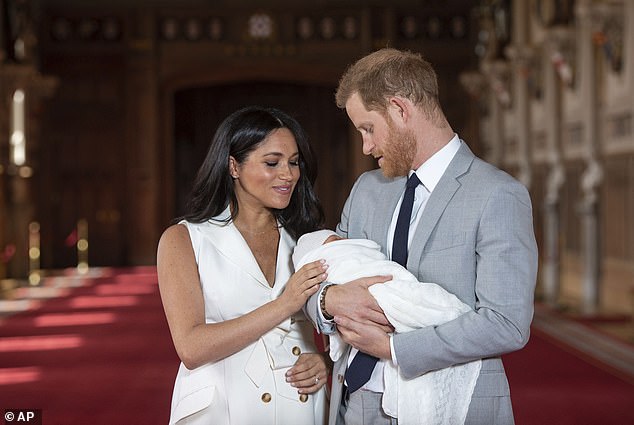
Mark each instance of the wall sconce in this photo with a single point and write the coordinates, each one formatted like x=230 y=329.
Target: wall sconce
x=17 y=153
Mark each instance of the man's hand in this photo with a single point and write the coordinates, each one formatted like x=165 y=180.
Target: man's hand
x=354 y=301
x=369 y=338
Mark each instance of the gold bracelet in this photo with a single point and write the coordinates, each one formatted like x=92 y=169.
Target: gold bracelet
x=322 y=303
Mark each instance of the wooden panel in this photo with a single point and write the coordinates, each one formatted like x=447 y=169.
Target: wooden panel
x=199 y=111
x=116 y=147
x=571 y=198
x=83 y=167
x=616 y=204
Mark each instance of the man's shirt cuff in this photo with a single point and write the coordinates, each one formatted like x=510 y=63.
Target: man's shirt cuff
x=392 y=352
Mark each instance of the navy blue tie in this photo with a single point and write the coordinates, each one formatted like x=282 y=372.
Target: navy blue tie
x=401 y=233
x=361 y=367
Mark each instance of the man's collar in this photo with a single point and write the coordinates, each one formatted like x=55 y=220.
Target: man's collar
x=430 y=171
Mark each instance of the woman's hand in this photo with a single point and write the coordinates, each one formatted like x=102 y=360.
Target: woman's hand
x=309 y=373
x=302 y=284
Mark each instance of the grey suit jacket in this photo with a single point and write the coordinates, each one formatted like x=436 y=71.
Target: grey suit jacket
x=475 y=239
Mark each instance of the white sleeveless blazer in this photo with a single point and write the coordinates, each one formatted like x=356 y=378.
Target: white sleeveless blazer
x=248 y=387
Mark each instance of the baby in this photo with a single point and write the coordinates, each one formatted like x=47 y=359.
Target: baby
x=438 y=397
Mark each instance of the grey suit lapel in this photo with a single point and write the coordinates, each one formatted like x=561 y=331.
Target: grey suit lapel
x=438 y=201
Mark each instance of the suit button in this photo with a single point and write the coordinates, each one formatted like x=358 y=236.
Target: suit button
x=340 y=378
x=297 y=351
x=266 y=397
x=303 y=398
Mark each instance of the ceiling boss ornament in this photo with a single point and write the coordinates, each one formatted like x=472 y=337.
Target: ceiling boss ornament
x=260 y=26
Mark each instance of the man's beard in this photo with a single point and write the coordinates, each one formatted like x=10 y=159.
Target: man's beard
x=398 y=155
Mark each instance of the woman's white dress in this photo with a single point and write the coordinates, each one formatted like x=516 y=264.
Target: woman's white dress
x=248 y=387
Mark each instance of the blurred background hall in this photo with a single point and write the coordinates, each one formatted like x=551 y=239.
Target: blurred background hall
x=106 y=111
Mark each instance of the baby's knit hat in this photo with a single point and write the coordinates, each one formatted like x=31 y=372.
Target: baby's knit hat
x=308 y=242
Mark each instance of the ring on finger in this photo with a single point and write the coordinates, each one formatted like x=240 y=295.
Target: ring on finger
x=316 y=379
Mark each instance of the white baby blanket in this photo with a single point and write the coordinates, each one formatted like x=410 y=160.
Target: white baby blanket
x=439 y=397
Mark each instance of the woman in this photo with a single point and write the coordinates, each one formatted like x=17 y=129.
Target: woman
x=231 y=300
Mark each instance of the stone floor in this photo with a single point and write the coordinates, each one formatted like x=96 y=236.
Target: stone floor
x=607 y=335
x=615 y=311
x=18 y=295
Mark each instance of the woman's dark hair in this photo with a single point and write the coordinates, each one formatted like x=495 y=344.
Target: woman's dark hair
x=237 y=136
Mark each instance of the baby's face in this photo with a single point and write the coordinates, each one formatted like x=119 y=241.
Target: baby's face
x=332 y=238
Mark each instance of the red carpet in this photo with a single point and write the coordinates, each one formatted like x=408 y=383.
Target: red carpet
x=103 y=355
x=552 y=385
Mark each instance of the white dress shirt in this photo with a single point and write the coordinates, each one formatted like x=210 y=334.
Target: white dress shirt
x=429 y=173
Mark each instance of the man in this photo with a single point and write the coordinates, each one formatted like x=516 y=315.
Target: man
x=461 y=223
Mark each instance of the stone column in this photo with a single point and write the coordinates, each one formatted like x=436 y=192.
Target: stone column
x=496 y=74
x=474 y=83
x=592 y=176
x=519 y=54
x=493 y=66
x=551 y=269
